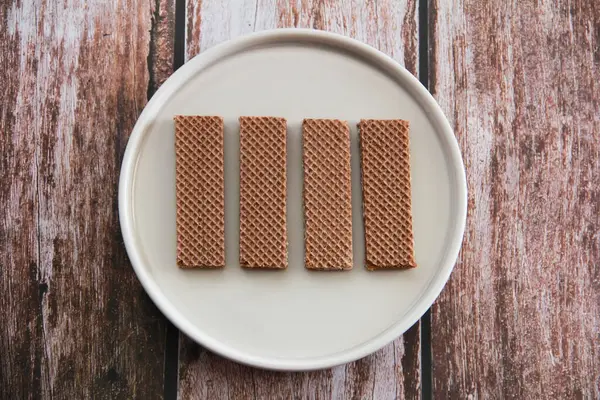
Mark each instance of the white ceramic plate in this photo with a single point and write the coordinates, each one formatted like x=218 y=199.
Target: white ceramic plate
x=293 y=319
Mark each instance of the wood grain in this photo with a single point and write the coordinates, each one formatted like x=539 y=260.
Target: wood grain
x=520 y=317
x=161 y=52
x=393 y=372
x=388 y=25
x=74 y=321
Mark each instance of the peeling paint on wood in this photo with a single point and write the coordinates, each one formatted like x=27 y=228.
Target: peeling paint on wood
x=394 y=371
x=388 y=374
x=162 y=41
x=74 y=321
x=520 y=317
x=388 y=25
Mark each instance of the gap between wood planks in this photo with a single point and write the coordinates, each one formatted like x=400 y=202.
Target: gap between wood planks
x=426 y=360
x=171 y=372
x=171 y=363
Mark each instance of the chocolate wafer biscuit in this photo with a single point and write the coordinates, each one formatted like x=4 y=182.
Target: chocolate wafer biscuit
x=200 y=191
x=387 y=214
x=263 y=236
x=327 y=194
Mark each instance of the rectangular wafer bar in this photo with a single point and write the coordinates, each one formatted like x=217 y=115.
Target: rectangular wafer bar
x=327 y=194
x=385 y=165
x=263 y=235
x=200 y=191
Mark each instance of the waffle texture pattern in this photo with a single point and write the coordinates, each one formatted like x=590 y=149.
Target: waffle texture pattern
x=200 y=191
x=263 y=234
x=385 y=163
x=327 y=194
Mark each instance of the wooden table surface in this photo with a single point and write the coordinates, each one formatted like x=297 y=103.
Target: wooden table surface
x=519 y=81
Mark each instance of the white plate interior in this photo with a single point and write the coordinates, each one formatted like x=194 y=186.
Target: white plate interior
x=293 y=318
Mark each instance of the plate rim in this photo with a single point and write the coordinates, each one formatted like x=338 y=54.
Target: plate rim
x=374 y=56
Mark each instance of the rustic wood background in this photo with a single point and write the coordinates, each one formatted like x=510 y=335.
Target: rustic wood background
x=520 y=317
x=520 y=81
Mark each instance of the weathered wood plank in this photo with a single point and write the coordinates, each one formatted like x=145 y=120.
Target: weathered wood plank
x=74 y=321
x=393 y=372
x=388 y=25
x=162 y=43
x=520 y=317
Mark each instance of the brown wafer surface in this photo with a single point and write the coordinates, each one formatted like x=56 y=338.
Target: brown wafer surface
x=263 y=236
x=200 y=191
x=327 y=194
x=385 y=164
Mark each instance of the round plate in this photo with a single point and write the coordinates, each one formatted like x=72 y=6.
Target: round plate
x=293 y=319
